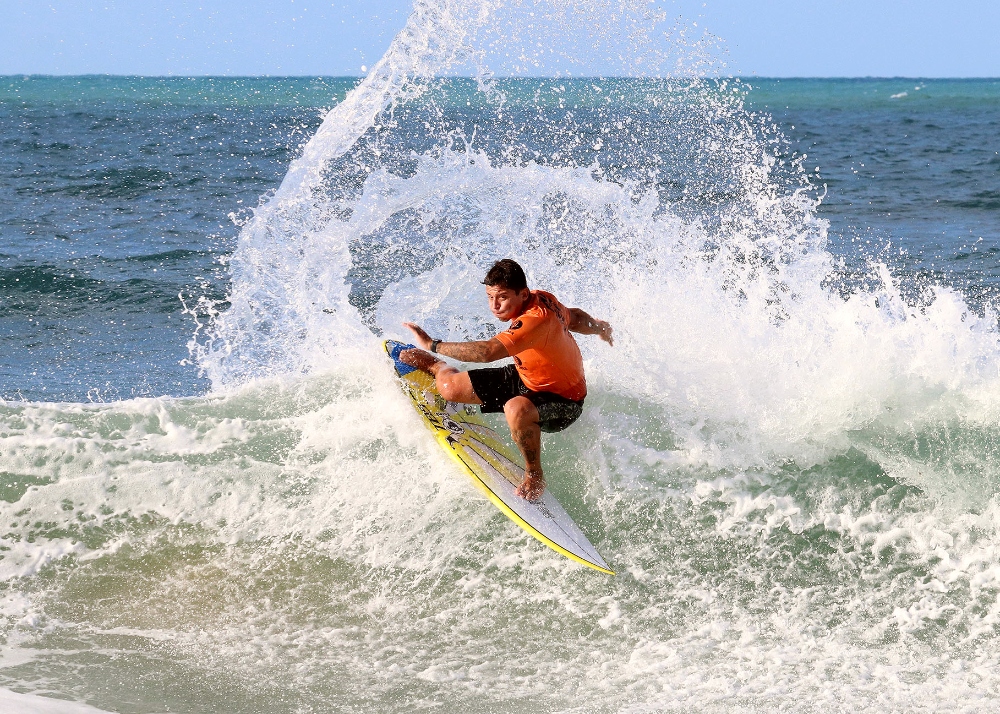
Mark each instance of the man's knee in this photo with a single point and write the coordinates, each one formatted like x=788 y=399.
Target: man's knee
x=447 y=387
x=455 y=386
x=520 y=411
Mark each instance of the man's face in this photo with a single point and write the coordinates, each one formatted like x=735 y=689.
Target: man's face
x=506 y=304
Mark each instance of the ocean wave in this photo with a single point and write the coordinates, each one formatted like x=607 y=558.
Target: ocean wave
x=48 y=290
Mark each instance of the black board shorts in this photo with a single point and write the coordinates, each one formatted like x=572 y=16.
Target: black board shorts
x=495 y=386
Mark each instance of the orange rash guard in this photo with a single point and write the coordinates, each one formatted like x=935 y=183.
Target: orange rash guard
x=545 y=353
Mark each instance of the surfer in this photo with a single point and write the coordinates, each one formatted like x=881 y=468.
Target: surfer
x=543 y=390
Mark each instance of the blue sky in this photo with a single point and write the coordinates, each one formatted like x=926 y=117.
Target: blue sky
x=919 y=38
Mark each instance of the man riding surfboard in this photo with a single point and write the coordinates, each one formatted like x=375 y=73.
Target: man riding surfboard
x=543 y=390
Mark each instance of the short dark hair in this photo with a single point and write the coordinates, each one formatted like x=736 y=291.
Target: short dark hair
x=508 y=274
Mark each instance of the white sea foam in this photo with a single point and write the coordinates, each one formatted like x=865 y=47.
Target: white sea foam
x=14 y=703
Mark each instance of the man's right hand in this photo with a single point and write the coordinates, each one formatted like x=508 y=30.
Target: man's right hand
x=422 y=339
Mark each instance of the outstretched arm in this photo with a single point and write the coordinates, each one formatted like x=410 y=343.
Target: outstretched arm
x=586 y=325
x=479 y=351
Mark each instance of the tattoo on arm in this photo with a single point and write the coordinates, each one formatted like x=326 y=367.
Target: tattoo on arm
x=480 y=351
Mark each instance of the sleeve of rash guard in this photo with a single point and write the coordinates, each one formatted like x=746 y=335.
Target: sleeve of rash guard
x=523 y=333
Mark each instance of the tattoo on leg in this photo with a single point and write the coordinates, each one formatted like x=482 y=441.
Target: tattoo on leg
x=523 y=439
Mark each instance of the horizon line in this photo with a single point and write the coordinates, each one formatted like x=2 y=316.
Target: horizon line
x=742 y=77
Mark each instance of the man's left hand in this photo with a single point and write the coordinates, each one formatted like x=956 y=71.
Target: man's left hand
x=604 y=331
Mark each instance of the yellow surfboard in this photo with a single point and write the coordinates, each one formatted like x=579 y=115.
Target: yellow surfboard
x=479 y=451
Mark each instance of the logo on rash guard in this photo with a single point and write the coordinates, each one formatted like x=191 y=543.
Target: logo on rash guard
x=553 y=307
x=516 y=325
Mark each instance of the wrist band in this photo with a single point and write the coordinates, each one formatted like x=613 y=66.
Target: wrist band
x=434 y=345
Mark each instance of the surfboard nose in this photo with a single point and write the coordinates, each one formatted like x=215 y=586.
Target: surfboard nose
x=393 y=348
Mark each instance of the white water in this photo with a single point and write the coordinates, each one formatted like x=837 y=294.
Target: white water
x=14 y=703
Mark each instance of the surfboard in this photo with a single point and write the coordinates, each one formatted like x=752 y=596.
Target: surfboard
x=481 y=454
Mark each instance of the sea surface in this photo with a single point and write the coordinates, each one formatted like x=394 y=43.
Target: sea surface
x=214 y=497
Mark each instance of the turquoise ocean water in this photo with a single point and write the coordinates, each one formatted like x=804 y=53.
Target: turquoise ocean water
x=213 y=497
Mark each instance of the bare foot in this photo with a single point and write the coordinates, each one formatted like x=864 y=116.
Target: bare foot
x=414 y=357
x=532 y=487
